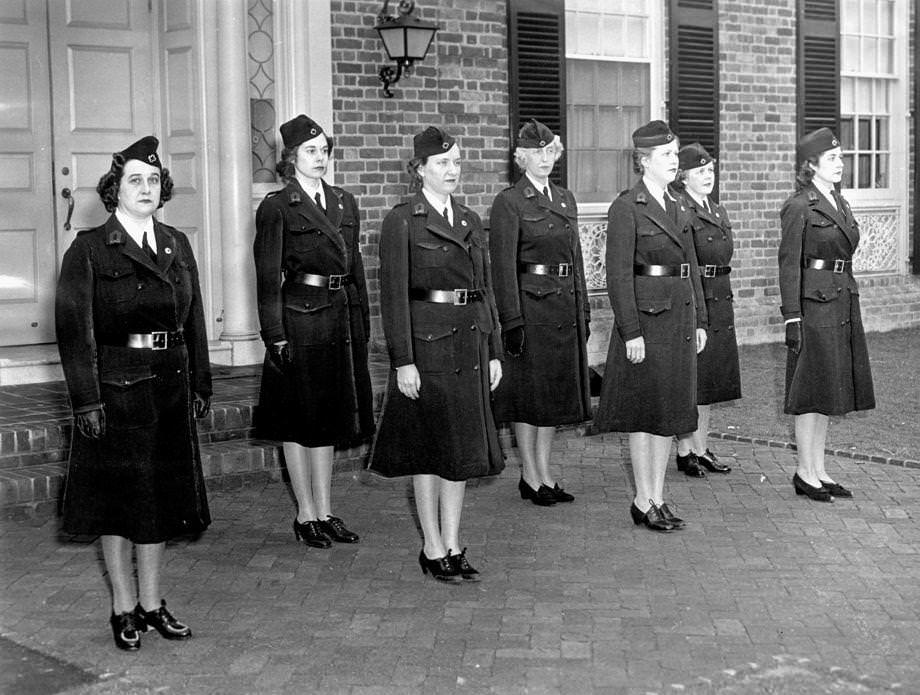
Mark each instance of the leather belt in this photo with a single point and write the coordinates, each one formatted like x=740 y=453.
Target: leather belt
x=331 y=282
x=711 y=271
x=563 y=270
x=458 y=297
x=837 y=265
x=157 y=340
x=660 y=271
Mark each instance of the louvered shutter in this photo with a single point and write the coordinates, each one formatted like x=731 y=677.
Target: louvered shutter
x=536 y=64
x=818 y=75
x=693 y=99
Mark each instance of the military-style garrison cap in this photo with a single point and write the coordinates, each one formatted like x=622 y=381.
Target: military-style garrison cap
x=693 y=156
x=815 y=143
x=534 y=134
x=300 y=129
x=653 y=134
x=144 y=150
x=431 y=141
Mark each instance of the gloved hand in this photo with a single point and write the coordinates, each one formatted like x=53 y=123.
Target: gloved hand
x=280 y=355
x=513 y=341
x=794 y=336
x=92 y=424
x=587 y=331
x=201 y=405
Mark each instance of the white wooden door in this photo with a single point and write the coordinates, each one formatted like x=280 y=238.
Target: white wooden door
x=93 y=58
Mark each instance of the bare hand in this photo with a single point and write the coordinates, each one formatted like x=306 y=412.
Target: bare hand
x=92 y=424
x=700 y=340
x=409 y=381
x=495 y=374
x=635 y=350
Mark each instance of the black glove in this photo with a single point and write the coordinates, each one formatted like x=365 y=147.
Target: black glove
x=92 y=424
x=794 y=336
x=587 y=331
x=280 y=355
x=201 y=405
x=513 y=341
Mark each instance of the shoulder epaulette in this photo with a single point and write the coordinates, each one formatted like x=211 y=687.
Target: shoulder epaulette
x=116 y=236
x=419 y=209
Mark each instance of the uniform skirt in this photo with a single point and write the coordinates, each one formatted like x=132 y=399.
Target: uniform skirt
x=143 y=479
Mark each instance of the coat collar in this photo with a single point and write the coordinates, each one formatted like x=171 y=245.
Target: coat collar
x=558 y=204
x=115 y=235
x=843 y=217
x=437 y=225
x=329 y=222
x=647 y=206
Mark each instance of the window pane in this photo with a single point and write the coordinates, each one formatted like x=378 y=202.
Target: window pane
x=849 y=56
x=847 y=180
x=886 y=56
x=636 y=31
x=846 y=133
x=849 y=17
x=865 y=134
x=868 y=55
x=847 y=96
x=882 y=90
x=581 y=129
x=886 y=23
x=613 y=31
x=865 y=171
x=881 y=171
x=881 y=134
x=869 y=23
x=863 y=96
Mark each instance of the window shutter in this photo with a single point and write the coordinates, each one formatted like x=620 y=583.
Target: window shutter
x=536 y=64
x=693 y=94
x=818 y=74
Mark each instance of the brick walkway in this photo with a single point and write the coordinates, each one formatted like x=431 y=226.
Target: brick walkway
x=763 y=592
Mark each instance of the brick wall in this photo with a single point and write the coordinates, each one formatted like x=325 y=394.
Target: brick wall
x=461 y=86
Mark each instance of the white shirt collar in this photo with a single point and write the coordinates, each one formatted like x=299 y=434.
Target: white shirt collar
x=702 y=202
x=540 y=187
x=136 y=228
x=658 y=192
x=312 y=190
x=440 y=204
x=826 y=191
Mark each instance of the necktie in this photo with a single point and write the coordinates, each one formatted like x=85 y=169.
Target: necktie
x=546 y=191
x=838 y=203
x=446 y=214
x=319 y=201
x=146 y=247
x=670 y=207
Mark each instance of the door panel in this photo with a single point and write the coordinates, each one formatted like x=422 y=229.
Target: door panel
x=27 y=238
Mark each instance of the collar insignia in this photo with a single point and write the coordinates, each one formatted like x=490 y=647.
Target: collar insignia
x=419 y=209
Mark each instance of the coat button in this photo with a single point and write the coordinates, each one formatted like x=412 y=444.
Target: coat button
x=687 y=338
x=709 y=238
x=453 y=330
x=473 y=327
x=571 y=291
x=444 y=249
x=475 y=367
x=687 y=302
x=550 y=225
x=456 y=371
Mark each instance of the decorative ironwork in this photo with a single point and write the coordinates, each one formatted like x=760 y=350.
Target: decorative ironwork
x=594 y=250
x=878 y=240
x=262 y=90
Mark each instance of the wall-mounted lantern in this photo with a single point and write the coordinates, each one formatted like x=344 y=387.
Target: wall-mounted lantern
x=406 y=39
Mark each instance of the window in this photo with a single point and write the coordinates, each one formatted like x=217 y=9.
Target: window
x=610 y=47
x=867 y=79
x=261 y=90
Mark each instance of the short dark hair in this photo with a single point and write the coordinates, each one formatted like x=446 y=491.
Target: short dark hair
x=415 y=179
x=107 y=188
x=285 y=165
x=806 y=174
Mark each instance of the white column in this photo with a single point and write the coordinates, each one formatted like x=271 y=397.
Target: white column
x=240 y=319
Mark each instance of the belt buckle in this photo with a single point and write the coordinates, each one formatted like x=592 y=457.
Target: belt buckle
x=839 y=265
x=565 y=269
x=159 y=340
x=685 y=270
x=461 y=297
x=709 y=271
x=335 y=282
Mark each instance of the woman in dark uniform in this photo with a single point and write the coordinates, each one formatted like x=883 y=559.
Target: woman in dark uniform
x=441 y=328
x=130 y=329
x=313 y=309
x=718 y=372
x=539 y=279
x=649 y=387
x=827 y=367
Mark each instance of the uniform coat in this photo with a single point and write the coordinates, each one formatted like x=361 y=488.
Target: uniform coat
x=142 y=479
x=549 y=383
x=449 y=431
x=325 y=398
x=718 y=370
x=830 y=374
x=658 y=395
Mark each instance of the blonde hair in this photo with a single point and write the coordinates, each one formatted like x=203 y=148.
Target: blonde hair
x=521 y=152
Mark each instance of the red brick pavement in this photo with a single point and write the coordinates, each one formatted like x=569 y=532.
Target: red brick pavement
x=763 y=592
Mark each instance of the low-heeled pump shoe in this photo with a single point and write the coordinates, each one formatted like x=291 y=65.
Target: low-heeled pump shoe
x=818 y=494
x=464 y=568
x=561 y=495
x=712 y=463
x=312 y=534
x=441 y=568
x=653 y=518
x=675 y=521
x=689 y=465
x=335 y=529
x=163 y=622
x=836 y=489
x=542 y=497
x=126 y=629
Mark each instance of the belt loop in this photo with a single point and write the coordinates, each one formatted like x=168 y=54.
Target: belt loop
x=685 y=270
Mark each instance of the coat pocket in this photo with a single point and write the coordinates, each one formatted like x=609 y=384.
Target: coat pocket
x=434 y=350
x=655 y=319
x=119 y=284
x=310 y=322
x=128 y=397
x=430 y=254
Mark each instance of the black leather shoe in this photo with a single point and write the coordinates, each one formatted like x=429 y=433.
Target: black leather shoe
x=818 y=494
x=335 y=529
x=836 y=489
x=689 y=465
x=162 y=621
x=561 y=495
x=653 y=518
x=126 y=629
x=440 y=568
x=675 y=521
x=711 y=463
x=543 y=497
x=463 y=567
x=312 y=534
